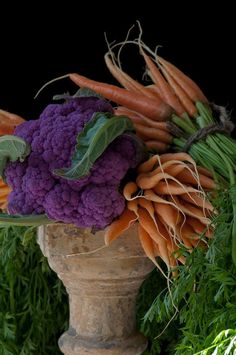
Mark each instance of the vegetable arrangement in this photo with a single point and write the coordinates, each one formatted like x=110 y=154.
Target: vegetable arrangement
x=160 y=158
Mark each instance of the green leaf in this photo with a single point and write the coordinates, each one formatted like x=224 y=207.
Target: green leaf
x=12 y=148
x=24 y=220
x=101 y=130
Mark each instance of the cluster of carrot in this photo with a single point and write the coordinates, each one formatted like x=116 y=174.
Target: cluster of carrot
x=8 y=122
x=149 y=107
x=169 y=202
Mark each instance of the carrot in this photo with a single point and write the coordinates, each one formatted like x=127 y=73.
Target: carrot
x=148 y=165
x=181 y=94
x=138 y=118
x=198 y=200
x=187 y=177
x=187 y=84
x=116 y=228
x=154 y=133
x=123 y=111
x=204 y=171
x=199 y=227
x=133 y=206
x=159 y=147
x=172 y=188
x=10 y=118
x=147 y=244
x=177 y=156
x=155 y=109
x=148 y=224
x=166 y=91
x=191 y=210
x=130 y=189
x=169 y=215
x=125 y=80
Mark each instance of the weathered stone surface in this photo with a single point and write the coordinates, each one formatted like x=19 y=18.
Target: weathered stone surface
x=102 y=283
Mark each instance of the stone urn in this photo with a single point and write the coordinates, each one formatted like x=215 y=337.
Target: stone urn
x=102 y=283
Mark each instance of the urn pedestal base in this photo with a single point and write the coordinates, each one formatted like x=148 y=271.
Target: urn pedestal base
x=102 y=284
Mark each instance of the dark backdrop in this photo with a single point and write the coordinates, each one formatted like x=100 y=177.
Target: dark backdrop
x=38 y=43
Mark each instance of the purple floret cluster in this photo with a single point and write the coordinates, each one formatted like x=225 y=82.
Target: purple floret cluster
x=92 y=201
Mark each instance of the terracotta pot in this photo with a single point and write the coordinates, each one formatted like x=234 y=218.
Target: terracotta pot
x=102 y=286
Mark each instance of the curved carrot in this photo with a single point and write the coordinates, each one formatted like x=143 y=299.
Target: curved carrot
x=155 y=109
x=148 y=165
x=130 y=189
x=116 y=228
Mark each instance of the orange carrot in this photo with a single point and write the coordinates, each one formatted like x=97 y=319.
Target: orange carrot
x=148 y=165
x=181 y=94
x=148 y=224
x=129 y=190
x=199 y=227
x=147 y=244
x=160 y=147
x=10 y=118
x=198 y=200
x=205 y=181
x=125 y=80
x=155 y=109
x=116 y=228
x=172 y=188
x=177 y=156
x=154 y=133
x=138 y=118
x=187 y=84
x=167 y=94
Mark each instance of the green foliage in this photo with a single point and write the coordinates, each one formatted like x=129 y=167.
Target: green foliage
x=33 y=301
x=204 y=294
x=12 y=148
x=24 y=220
x=98 y=133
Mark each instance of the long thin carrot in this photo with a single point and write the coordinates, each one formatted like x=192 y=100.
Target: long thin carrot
x=181 y=94
x=154 y=133
x=154 y=109
x=116 y=228
x=147 y=244
x=125 y=80
x=172 y=188
x=187 y=84
x=198 y=200
x=167 y=94
x=205 y=181
x=159 y=147
x=148 y=224
x=138 y=118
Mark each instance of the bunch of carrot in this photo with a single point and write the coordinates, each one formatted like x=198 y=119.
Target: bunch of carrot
x=8 y=122
x=149 y=107
x=170 y=204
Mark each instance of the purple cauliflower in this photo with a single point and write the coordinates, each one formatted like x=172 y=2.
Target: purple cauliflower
x=92 y=201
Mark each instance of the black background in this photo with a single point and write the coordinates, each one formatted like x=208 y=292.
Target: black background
x=39 y=43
